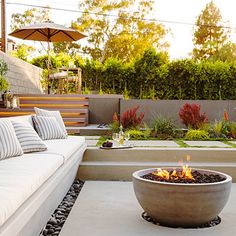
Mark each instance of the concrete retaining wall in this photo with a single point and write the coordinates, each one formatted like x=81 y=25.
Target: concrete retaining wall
x=214 y=109
x=102 y=108
x=22 y=76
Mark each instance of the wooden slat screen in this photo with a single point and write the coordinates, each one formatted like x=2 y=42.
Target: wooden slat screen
x=73 y=108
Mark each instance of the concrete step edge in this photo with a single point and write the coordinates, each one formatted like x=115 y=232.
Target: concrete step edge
x=192 y=164
x=164 y=148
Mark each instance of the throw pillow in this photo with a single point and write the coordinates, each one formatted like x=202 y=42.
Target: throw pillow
x=28 y=138
x=48 y=128
x=9 y=145
x=56 y=114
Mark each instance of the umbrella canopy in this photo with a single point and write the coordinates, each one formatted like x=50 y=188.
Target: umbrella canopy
x=49 y=32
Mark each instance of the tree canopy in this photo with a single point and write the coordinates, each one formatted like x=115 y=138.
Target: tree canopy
x=30 y=16
x=209 y=35
x=118 y=29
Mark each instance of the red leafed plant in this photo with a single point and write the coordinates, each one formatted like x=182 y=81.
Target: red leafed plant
x=191 y=117
x=130 y=119
x=226 y=116
x=115 y=117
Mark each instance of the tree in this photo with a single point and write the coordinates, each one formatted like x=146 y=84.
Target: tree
x=117 y=28
x=67 y=47
x=30 y=16
x=227 y=53
x=209 y=35
x=23 y=51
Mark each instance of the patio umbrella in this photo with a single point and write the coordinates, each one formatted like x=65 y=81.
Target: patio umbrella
x=48 y=32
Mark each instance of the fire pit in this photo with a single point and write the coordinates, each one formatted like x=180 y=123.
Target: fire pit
x=181 y=197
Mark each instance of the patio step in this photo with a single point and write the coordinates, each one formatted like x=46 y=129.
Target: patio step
x=117 y=165
x=167 y=154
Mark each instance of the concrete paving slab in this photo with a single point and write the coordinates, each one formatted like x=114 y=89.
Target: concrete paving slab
x=91 y=137
x=91 y=143
x=138 y=143
x=234 y=142
x=153 y=143
x=206 y=143
x=111 y=208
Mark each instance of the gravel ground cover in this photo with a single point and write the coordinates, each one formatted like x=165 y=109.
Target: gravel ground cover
x=58 y=218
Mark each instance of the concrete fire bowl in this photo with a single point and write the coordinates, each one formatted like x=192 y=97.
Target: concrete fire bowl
x=181 y=205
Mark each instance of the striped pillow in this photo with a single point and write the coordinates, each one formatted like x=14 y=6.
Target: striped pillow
x=28 y=138
x=9 y=145
x=48 y=128
x=56 y=114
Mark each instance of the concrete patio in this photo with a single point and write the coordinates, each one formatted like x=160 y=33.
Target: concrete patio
x=92 y=141
x=110 y=165
x=111 y=208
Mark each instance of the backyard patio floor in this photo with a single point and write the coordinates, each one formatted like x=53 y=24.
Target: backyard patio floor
x=92 y=141
x=110 y=208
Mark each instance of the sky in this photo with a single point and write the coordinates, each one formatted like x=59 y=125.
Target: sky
x=180 y=35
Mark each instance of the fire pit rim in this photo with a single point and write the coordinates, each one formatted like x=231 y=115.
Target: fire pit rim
x=135 y=175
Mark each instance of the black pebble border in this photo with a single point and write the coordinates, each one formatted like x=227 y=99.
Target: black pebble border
x=58 y=218
x=212 y=223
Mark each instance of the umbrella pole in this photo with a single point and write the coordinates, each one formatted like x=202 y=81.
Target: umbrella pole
x=48 y=65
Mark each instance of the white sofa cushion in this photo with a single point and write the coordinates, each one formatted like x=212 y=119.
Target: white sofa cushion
x=48 y=128
x=21 y=176
x=65 y=147
x=28 y=137
x=56 y=114
x=9 y=144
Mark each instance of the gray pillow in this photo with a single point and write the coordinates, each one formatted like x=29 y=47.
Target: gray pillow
x=56 y=114
x=28 y=138
x=48 y=128
x=9 y=144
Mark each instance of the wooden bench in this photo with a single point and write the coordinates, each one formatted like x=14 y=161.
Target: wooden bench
x=74 y=108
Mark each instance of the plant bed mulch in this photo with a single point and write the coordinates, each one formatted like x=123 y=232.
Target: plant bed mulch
x=199 y=178
x=212 y=223
x=58 y=218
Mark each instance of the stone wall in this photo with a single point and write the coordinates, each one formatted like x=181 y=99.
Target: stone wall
x=22 y=76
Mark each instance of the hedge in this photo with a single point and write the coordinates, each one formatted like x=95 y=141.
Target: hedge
x=154 y=76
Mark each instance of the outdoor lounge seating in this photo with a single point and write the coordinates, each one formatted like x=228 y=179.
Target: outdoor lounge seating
x=32 y=185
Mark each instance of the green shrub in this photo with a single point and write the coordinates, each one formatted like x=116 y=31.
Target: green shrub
x=197 y=134
x=3 y=71
x=152 y=75
x=3 y=84
x=138 y=134
x=232 y=130
x=162 y=125
x=220 y=129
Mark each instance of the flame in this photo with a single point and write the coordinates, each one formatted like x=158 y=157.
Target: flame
x=185 y=173
x=162 y=173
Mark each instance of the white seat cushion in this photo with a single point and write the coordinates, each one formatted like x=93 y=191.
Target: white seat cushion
x=65 y=147
x=21 y=176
